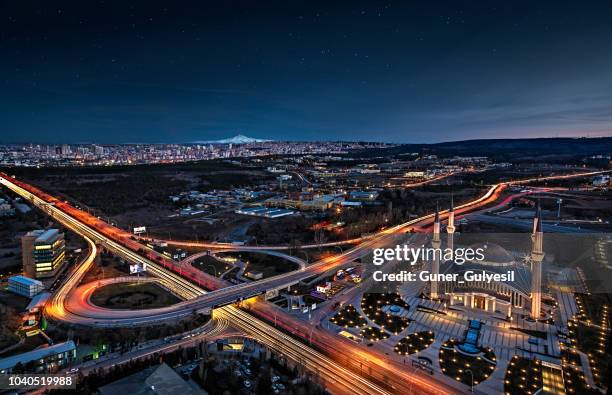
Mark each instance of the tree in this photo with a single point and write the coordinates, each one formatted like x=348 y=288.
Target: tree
x=319 y=237
x=264 y=384
x=18 y=368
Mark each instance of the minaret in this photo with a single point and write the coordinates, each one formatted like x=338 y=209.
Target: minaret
x=435 y=267
x=537 y=215
x=537 y=255
x=450 y=226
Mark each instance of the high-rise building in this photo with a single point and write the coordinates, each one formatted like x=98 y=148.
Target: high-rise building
x=43 y=252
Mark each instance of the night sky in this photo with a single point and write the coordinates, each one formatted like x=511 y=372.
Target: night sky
x=119 y=72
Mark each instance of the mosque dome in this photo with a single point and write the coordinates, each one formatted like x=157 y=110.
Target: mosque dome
x=494 y=255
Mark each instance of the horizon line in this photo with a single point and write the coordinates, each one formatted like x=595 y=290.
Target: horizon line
x=308 y=141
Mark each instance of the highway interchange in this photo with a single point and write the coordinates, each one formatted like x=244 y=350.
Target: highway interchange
x=377 y=375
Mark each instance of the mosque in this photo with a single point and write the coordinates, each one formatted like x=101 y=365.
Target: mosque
x=521 y=295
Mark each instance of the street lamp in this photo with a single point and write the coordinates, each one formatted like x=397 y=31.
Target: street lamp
x=472 y=375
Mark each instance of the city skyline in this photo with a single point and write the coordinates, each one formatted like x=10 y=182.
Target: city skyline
x=399 y=73
x=258 y=140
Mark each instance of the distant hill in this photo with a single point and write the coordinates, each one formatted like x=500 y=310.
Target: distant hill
x=516 y=150
x=239 y=139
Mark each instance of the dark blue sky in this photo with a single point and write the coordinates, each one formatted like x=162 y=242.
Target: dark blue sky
x=126 y=71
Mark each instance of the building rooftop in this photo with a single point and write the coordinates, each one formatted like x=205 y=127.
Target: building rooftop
x=44 y=235
x=38 y=301
x=39 y=353
x=25 y=280
x=260 y=211
x=155 y=380
x=36 y=232
x=494 y=254
x=48 y=236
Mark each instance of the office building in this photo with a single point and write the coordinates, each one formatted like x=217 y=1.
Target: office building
x=43 y=252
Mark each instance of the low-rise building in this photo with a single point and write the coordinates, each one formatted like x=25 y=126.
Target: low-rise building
x=6 y=210
x=38 y=302
x=363 y=195
x=323 y=288
x=41 y=360
x=265 y=212
x=303 y=205
x=414 y=174
x=254 y=275
x=24 y=286
x=601 y=180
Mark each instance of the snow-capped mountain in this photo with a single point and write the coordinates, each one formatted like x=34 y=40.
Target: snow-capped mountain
x=239 y=139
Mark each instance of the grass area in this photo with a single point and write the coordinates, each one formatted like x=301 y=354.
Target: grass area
x=466 y=369
x=309 y=299
x=114 y=195
x=426 y=309
x=111 y=188
x=414 y=342
x=10 y=320
x=231 y=275
x=393 y=323
x=136 y=295
x=124 y=338
x=593 y=341
x=348 y=316
x=30 y=343
x=372 y=304
x=107 y=266
x=573 y=373
x=592 y=307
x=523 y=376
x=589 y=332
x=373 y=333
x=7 y=337
x=8 y=326
x=267 y=264
x=210 y=265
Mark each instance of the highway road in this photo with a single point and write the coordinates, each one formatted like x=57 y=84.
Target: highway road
x=337 y=377
x=291 y=258
x=298 y=351
x=212 y=330
x=339 y=350
x=526 y=224
x=370 y=363
x=197 y=299
x=341 y=379
x=222 y=246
